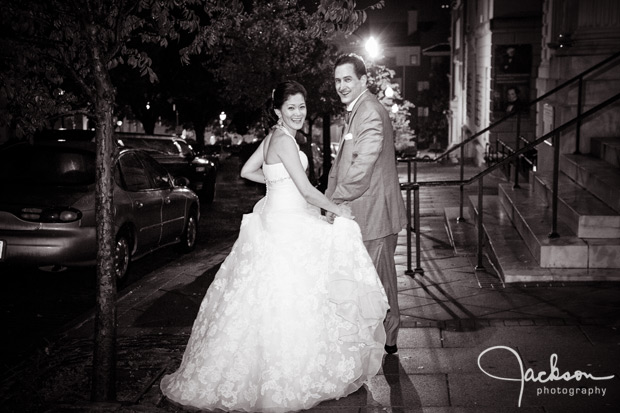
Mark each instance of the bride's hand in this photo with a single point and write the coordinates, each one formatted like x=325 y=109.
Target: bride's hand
x=345 y=211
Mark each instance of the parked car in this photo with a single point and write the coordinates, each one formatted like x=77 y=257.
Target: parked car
x=178 y=157
x=47 y=207
x=215 y=153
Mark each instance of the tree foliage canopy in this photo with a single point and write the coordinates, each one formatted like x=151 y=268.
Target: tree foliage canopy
x=278 y=40
x=50 y=46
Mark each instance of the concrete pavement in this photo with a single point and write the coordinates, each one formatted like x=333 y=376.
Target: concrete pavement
x=551 y=347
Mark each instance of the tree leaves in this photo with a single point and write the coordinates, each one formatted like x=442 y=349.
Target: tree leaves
x=55 y=33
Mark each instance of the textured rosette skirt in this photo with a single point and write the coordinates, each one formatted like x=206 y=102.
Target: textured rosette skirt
x=293 y=317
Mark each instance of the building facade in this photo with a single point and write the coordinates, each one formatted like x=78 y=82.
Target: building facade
x=543 y=74
x=501 y=49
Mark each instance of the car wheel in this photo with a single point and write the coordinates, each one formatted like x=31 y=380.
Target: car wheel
x=122 y=257
x=190 y=233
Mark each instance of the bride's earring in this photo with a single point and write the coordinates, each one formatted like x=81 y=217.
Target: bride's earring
x=280 y=123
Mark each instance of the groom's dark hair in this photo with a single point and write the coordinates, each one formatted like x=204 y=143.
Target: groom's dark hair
x=356 y=60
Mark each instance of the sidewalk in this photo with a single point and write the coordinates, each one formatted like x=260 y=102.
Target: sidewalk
x=452 y=318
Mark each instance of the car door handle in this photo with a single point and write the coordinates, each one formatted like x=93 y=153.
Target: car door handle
x=139 y=204
x=167 y=201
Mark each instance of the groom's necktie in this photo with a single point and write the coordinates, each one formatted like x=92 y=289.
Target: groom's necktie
x=347 y=117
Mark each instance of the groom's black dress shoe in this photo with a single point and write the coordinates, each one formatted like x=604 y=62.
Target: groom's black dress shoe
x=391 y=349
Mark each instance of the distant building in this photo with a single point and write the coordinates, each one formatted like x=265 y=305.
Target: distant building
x=414 y=40
x=501 y=47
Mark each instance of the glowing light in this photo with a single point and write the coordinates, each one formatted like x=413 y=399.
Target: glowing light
x=372 y=47
x=389 y=92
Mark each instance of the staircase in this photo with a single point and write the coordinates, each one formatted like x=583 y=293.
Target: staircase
x=517 y=222
x=520 y=238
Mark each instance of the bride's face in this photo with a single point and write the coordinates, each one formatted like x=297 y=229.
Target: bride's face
x=293 y=111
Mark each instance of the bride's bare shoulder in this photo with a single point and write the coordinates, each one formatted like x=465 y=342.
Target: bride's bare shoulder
x=280 y=139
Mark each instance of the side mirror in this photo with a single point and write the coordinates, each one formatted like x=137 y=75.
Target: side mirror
x=181 y=181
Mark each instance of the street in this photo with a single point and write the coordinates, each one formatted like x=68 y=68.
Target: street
x=35 y=304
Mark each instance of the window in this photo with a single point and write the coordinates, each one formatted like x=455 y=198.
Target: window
x=159 y=174
x=422 y=111
x=423 y=85
x=134 y=176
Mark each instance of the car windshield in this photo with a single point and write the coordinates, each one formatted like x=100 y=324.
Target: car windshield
x=166 y=146
x=47 y=166
x=185 y=148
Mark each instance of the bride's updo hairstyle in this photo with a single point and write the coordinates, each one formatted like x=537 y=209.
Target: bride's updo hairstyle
x=286 y=89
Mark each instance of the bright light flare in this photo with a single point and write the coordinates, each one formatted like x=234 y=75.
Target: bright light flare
x=372 y=47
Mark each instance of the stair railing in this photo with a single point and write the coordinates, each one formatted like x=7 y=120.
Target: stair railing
x=513 y=157
x=580 y=81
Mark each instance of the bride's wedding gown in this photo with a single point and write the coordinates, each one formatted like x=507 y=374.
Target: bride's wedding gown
x=293 y=317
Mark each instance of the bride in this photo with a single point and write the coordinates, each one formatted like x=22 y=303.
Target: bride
x=295 y=313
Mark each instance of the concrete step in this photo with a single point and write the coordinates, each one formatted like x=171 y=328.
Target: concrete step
x=607 y=149
x=596 y=175
x=460 y=230
x=511 y=258
x=533 y=222
x=586 y=215
x=532 y=219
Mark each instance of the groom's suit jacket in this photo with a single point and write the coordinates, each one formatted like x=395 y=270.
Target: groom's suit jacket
x=364 y=172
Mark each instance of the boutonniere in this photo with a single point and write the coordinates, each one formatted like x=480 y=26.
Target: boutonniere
x=348 y=136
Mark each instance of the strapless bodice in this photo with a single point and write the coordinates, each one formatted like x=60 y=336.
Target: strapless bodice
x=282 y=193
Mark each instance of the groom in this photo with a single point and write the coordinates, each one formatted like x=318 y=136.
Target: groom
x=364 y=176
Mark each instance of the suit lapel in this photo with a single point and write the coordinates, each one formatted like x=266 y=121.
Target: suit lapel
x=347 y=128
x=340 y=145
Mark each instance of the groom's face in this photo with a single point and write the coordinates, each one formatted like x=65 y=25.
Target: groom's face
x=348 y=85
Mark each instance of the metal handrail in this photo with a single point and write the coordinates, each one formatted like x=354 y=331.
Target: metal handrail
x=522 y=150
x=578 y=77
x=554 y=134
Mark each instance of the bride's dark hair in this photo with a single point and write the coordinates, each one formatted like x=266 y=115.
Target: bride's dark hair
x=286 y=89
x=283 y=91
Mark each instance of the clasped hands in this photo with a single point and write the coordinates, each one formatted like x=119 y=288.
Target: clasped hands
x=345 y=212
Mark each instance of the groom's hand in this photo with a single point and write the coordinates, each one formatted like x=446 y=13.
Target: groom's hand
x=330 y=216
x=345 y=211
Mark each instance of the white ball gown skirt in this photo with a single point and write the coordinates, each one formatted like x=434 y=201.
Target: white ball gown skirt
x=293 y=317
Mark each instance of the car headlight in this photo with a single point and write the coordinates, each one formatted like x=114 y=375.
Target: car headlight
x=50 y=214
x=200 y=169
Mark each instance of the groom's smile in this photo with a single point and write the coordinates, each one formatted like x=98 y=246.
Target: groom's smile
x=348 y=85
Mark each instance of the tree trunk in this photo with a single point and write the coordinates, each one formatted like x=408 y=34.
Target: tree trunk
x=149 y=127
x=327 y=150
x=199 y=129
x=104 y=354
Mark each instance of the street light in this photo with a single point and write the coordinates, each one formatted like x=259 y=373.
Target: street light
x=222 y=119
x=372 y=47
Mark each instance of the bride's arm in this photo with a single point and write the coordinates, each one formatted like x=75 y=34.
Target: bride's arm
x=252 y=169
x=289 y=155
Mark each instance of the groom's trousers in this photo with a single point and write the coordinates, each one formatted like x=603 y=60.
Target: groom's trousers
x=382 y=250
